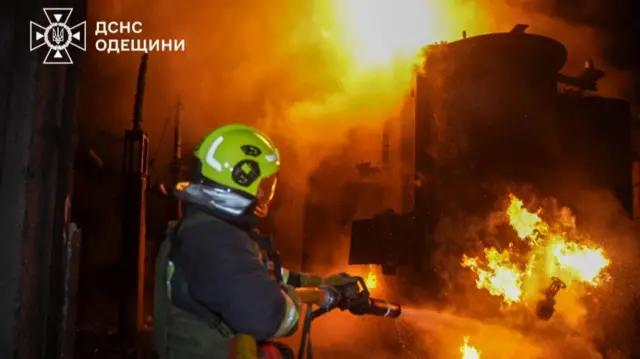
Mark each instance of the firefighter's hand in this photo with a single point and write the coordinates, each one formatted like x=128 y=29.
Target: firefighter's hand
x=338 y=280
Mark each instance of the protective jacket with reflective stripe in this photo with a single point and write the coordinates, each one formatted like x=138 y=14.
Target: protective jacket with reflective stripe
x=212 y=281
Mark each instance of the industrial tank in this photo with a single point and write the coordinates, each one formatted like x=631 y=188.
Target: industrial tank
x=486 y=106
x=490 y=111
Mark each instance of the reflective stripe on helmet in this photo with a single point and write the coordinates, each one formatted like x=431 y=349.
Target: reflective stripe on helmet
x=211 y=153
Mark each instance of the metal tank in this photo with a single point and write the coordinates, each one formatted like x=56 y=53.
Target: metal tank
x=482 y=106
x=492 y=110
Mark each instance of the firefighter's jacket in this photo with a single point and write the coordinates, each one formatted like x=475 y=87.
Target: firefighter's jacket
x=213 y=280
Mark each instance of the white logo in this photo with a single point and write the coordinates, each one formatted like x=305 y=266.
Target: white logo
x=58 y=36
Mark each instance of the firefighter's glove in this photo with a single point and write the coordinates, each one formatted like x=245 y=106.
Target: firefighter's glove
x=339 y=280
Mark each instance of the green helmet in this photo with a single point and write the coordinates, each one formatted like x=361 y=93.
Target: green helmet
x=235 y=169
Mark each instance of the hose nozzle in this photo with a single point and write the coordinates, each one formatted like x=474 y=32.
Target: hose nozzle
x=382 y=308
x=377 y=307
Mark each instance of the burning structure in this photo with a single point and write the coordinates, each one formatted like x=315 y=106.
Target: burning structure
x=493 y=115
x=489 y=112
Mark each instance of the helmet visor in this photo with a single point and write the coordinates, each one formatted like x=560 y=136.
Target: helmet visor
x=266 y=192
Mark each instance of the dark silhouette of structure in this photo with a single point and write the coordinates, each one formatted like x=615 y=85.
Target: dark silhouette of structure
x=39 y=241
x=135 y=171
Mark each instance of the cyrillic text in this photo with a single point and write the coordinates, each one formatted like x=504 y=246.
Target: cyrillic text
x=118 y=27
x=139 y=45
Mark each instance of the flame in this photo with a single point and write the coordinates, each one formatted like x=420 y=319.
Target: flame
x=468 y=351
x=501 y=278
x=376 y=44
x=525 y=223
x=384 y=39
x=371 y=50
x=556 y=249
x=378 y=33
x=579 y=260
x=372 y=279
x=381 y=33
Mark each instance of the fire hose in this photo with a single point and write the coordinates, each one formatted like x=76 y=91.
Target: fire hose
x=354 y=297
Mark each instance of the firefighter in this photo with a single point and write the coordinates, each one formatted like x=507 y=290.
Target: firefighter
x=218 y=281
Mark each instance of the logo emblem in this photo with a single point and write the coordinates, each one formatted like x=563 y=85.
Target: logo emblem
x=58 y=36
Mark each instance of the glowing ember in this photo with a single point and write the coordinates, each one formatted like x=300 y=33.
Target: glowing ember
x=372 y=279
x=555 y=252
x=468 y=351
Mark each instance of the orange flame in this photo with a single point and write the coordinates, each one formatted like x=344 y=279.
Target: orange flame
x=376 y=45
x=555 y=251
x=372 y=279
x=501 y=278
x=468 y=351
x=526 y=224
x=379 y=34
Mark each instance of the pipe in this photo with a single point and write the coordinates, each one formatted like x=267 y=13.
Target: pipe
x=315 y=296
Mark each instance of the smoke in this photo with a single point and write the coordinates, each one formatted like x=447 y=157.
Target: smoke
x=282 y=65
x=606 y=222
x=573 y=28
x=266 y=64
x=274 y=65
x=289 y=67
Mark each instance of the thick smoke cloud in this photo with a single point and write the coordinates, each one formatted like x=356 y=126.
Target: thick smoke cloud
x=276 y=65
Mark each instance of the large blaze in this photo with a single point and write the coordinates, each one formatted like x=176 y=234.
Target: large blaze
x=556 y=249
x=373 y=47
x=382 y=33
